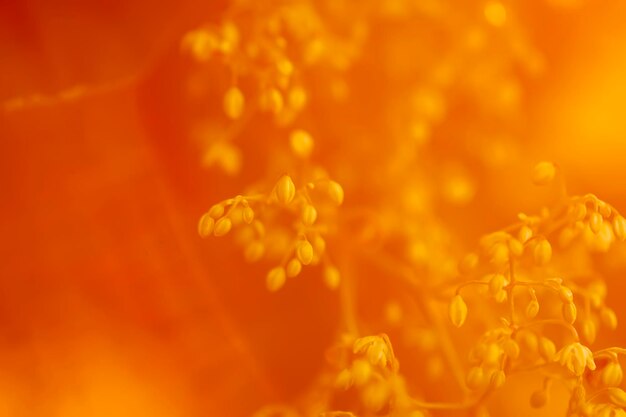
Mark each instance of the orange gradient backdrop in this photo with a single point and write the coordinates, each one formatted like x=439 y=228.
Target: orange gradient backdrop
x=111 y=305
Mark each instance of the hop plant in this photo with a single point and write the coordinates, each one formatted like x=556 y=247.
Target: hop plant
x=526 y=300
x=304 y=247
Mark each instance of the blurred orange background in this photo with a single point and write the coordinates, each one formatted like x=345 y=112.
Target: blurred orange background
x=112 y=306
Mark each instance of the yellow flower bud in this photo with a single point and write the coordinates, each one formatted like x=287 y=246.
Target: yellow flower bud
x=612 y=375
x=458 y=311
x=501 y=296
x=217 y=211
x=525 y=233
x=297 y=98
x=496 y=283
x=375 y=396
x=293 y=268
x=543 y=173
x=319 y=245
x=492 y=354
x=547 y=349
x=205 y=225
x=275 y=278
x=579 y=211
x=617 y=396
x=361 y=371
x=301 y=143
x=532 y=309
x=304 y=251
x=495 y=13
x=499 y=254
x=589 y=330
x=234 y=102
x=569 y=312
x=619 y=227
x=595 y=222
x=475 y=378
x=516 y=247
x=542 y=252
x=344 y=379
x=254 y=251
x=335 y=192
x=331 y=277
x=247 y=215
x=566 y=295
x=309 y=215
x=285 y=189
x=222 y=226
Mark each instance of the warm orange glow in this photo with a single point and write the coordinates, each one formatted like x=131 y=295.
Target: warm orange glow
x=312 y=208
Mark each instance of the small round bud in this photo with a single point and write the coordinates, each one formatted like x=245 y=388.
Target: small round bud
x=254 y=251
x=217 y=211
x=335 y=192
x=496 y=283
x=542 y=252
x=234 y=102
x=492 y=355
x=525 y=233
x=589 y=330
x=569 y=312
x=222 y=226
x=516 y=247
x=304 y=251
x=619 y=227
x=293 y=268
x=617 y=396
x=275 y=278
x=595 y=222
x=361 y=371
x=475 y=378
x=205 y=225
x=499 y=254
x=247 y=215
x=301 y=143
x=579 y=211
x=612 y=375
x=297 y=98
x=285 y=189
x=532 y=309
x=319 y=245
x=566 y=295
x=501 y=296
x=344 y=379
x=543 y=173
x=309 y=215
x=458 y=311
x=375 y=396
x=331 y=277
x=547 y=349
